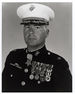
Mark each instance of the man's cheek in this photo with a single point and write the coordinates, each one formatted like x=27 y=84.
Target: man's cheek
x=25 y=35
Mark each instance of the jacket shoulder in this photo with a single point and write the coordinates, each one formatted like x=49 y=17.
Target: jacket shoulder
x=17 y=51
x=14 y=55
x=57 y=59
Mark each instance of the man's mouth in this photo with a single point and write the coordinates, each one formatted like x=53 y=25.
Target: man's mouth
x=31 y=37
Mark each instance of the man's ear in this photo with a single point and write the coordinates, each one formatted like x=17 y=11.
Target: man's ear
x=47 y=32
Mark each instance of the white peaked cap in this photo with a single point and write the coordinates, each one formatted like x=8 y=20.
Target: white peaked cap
x=35 y=10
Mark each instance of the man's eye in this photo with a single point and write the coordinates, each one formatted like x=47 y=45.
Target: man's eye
x=27 y=26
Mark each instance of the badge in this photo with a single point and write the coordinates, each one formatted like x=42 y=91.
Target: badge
x=16 y=65
x=32 y=7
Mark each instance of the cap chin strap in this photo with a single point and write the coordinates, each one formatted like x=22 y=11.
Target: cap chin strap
x=35 y=21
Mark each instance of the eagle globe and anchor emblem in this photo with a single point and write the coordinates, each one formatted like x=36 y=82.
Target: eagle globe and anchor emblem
x=32 y=7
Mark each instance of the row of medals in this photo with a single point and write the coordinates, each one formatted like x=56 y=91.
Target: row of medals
x=39 y=71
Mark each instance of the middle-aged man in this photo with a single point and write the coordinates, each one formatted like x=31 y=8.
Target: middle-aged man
x=35 y=68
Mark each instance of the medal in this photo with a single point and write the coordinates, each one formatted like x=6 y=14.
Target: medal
x=42 y=73
x=29 y=59
x=49 y=70
x=36 y=77
x=42 y=78
x=28 y=62
x=31 y=76
x=47 y=78
x=29 y=56
x=48 y=73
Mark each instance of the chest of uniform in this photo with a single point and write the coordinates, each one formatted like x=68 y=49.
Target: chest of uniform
x=34 y=71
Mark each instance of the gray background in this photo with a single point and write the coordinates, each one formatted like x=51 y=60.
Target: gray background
x=60 y=37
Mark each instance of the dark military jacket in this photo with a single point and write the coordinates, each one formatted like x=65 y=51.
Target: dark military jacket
x=38 y=71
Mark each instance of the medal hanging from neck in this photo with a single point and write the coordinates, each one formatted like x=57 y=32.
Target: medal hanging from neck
x=29 y=59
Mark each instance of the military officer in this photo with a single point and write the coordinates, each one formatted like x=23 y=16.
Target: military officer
x=35 y=69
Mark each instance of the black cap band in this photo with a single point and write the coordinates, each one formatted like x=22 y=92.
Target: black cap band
x=34 y=21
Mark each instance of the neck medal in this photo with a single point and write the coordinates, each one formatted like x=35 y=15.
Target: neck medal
x=29 y=56
x=29 y=59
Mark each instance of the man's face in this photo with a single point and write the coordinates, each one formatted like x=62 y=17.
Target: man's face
x=35 y=35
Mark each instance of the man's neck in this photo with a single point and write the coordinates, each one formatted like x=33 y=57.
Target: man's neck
x=34 y=48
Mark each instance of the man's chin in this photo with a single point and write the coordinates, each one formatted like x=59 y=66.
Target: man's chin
x=31 y=44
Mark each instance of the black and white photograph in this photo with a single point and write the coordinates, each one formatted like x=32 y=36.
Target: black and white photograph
x=37 y=47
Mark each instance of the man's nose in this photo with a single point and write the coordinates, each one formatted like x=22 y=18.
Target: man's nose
x=31 y=29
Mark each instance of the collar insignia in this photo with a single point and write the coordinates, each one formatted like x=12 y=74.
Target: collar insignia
x=37 y=53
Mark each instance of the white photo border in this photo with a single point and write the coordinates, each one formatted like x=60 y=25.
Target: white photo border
x=73 y=38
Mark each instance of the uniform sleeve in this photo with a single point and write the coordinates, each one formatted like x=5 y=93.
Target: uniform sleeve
x=5 y=73
x=64 y=77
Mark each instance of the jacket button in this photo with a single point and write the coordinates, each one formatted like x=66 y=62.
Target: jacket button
x=59 y=58
x=26 y=70
x=38 y=82
x=11 y=75
x=23 y=83
x=48 y=53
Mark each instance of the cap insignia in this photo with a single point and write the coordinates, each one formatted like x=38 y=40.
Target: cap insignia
x=32 y=8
